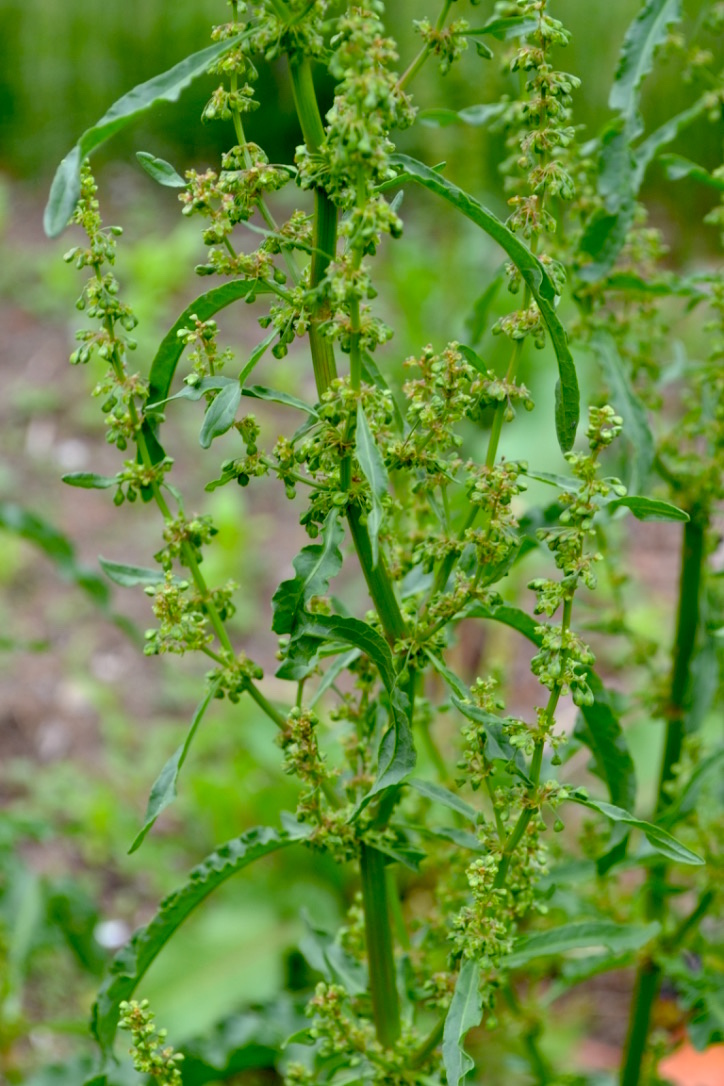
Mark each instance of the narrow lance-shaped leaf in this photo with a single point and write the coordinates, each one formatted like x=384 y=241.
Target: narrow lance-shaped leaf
x=172 y=346
x=497 y=745
x=58 y=548
x=166 y=87
x=220 y=414
x=621 y=170
x=648 y=508
x=444 y=796
x=607 y=741
x=372 y=373
x=534 y=275
x=678 y=167
x=257 y=354
x=315 y=566
x=331 y=674
x=373 y=468
x=636 y=429
x=475 y=116
x=130 y=576
x=616 y=938
x=163 y=791
x=88 y=480
x=397 y=756
x=457 y=686
x=648 y=31
x=131 y=963
x=465 y=1013
x=658 y=838
x=512 y=26
x=165 y=361
x=647 y=151
x=273 y=395
x=195 y=392
x=599 y=729
x=161 y=171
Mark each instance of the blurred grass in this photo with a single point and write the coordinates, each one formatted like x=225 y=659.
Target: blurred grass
x=62 y=65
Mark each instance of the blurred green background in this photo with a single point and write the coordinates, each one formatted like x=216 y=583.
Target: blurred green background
x=86 y=721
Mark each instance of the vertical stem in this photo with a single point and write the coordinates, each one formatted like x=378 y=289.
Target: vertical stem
x=378 y=931
x=687 y=624
x=378 y=927
x=324 y=240
x=378 y=579
x=644 y=994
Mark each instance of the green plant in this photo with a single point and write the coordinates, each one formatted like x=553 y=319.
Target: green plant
x=436 y=527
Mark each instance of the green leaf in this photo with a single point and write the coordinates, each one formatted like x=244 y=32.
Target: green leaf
x=648 y=508
x=220 y=414
x=647 y=151
x=636 y=429
x=58 y=548
x=88 y=480
x=465 y=1013
x=354 y=632
x=166 y=87
x=129 y=576
x=160 y=170
x=621 y=170
x=473 y=358
x=456 y=685
x=257 y=354
x=678 y=167
x=163 y=791
x=648 y=31
x=272 y=395
x=163 y=366
x=509 y=616
x=397 y=756
x=658 y=838
x=476 y=116
x=599 y=729
x=617 y=938
x=131 y=963
x=497 y=745
x=373 y=468
x=195 y=392
x=461 y=838
x=515 y=26
x=533 y=273
x=315 y=566
x=481 y=48
x=445 y=797
x=373 y=375
x=333 y=671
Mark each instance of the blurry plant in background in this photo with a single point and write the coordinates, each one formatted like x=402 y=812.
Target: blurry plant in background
x=437 y=898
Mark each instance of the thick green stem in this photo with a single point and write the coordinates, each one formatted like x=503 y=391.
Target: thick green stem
x=380 y=955
x=687 y=624
x=378 y=579
x=324 y=239
x=325 y=369
x=644 y=994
